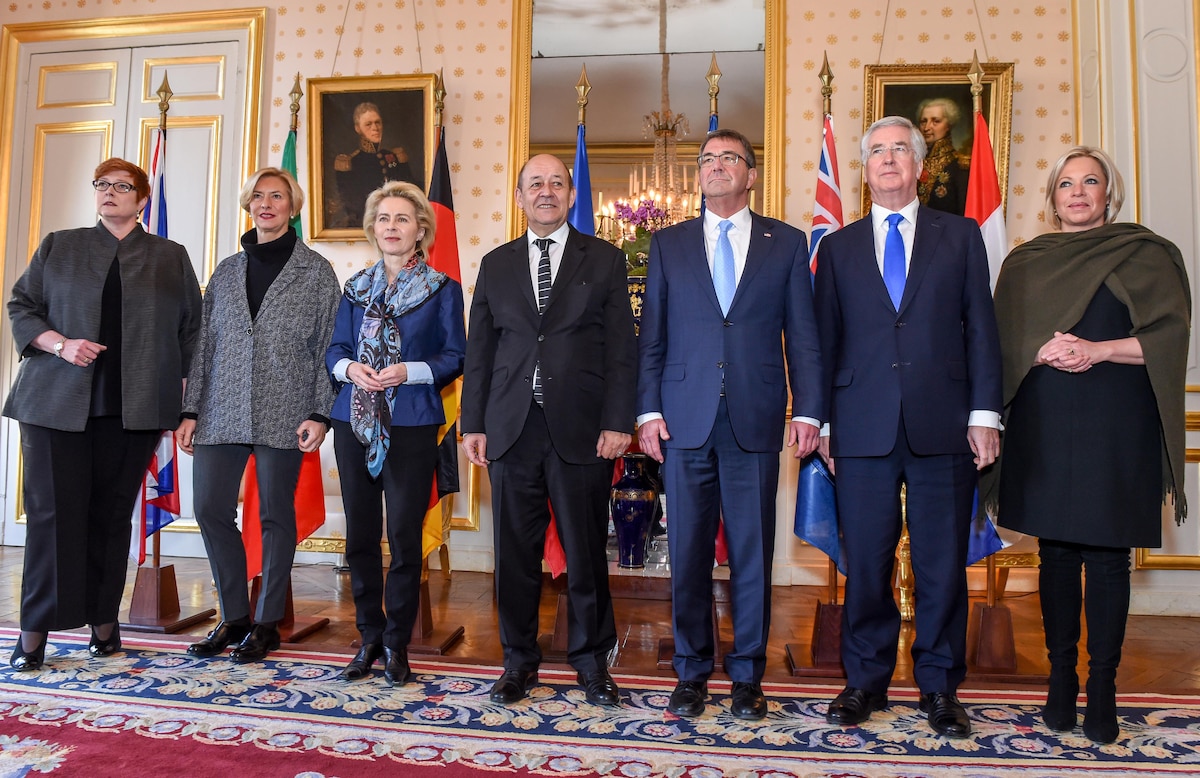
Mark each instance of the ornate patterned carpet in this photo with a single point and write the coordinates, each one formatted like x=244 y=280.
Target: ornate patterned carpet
x=152 y=710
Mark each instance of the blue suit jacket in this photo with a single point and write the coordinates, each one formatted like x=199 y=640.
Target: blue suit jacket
x=935 y=360
x=687 y=347
x=433 y=333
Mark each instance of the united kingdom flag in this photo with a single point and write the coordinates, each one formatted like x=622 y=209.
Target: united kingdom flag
x=827 y=210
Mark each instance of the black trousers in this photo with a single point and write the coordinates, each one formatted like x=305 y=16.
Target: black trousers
x=80 y=489
x=523 y=479
x=404 y=485
x=217 y=472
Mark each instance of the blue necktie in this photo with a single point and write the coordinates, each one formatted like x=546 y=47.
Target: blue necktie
x=893 y=260
x=724 y=274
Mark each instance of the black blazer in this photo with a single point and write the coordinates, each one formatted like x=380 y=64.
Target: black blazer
x=584 y=342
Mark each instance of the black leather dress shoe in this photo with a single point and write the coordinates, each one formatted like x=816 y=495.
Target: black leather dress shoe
x=395 y=666
x=360 y=665
x=600 y=688
x=688 y=698
x=854 y=706
x=108 y=646
x=748 y=701
x=512 y=686
x=260 y=641
x=27 y=661
x=946 y=715
x=219 y=639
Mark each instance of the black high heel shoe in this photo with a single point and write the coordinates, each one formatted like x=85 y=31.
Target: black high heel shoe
x=25 y=661
x=108 y=646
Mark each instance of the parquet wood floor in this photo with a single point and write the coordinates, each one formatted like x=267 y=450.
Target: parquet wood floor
x=1160 y=652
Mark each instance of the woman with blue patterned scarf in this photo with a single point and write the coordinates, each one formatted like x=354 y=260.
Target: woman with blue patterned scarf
x=398 y=340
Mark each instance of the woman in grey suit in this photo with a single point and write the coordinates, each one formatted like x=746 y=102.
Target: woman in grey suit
x=258 y=385
x=105 y=320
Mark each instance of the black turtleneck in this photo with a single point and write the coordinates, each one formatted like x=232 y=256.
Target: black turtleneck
x=266 y=260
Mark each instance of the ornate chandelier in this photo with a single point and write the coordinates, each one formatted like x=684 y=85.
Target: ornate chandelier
x=659 y=194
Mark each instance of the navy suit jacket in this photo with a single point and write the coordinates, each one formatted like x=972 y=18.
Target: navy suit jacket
x=935 y=360
x=433 y=333
x=584 y=341
x=687 y=347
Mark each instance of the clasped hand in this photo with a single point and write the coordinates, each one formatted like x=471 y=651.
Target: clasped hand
x=1066 y=352
x=372 y=380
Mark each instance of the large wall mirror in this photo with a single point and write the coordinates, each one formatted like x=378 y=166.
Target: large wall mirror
x=622 y=46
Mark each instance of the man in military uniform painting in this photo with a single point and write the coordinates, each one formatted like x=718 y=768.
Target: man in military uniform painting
x=367 y=168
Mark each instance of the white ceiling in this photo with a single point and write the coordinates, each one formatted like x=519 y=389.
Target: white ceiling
x=618 y=41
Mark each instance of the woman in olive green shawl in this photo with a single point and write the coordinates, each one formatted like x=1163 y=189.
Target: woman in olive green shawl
x=1094 y=323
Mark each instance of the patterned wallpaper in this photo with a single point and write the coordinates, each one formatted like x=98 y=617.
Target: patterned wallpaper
x=471 y=41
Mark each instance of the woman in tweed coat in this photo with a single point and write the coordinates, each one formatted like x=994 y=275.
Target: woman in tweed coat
x=105 y=319
x=258 y=384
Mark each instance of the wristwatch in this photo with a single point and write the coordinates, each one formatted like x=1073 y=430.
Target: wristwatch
x=58 y=347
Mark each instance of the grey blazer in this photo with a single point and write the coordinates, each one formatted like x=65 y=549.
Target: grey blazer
x=160 y=323
x=254 y=381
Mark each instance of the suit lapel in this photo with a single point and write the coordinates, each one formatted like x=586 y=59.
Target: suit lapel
x=926 y=238
x=867 y=264
x=572 y=260
x=761 y=244
x=695 y=254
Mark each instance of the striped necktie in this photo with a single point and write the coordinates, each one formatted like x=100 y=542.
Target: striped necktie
x=543 y=276
x=543 y=297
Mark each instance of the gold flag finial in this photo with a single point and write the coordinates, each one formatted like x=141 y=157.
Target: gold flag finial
x=712 y=77
x=296 y=94
x=439 y=98
x=164 y=101
x=582 y=87
x=826 y=87
x=976 y=76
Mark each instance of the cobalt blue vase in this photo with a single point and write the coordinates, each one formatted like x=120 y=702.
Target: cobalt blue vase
x=633 y=500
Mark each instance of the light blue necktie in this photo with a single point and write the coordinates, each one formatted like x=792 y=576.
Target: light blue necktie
x=893 y=260
x=724 y=274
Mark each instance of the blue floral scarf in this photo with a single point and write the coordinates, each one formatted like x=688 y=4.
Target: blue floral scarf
x=379 y=344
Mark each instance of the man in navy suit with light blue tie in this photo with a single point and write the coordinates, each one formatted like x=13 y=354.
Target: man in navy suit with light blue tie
x=912 y=361
x=728 y=298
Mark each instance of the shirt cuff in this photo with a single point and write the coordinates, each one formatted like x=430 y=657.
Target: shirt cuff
x=418 y=373
x=984 y=419
x=645 y=417
x=339 y=370
x=808 y=420
x=825 y=430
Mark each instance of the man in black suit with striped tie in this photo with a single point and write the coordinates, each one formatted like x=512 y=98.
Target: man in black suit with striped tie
x=548 y=403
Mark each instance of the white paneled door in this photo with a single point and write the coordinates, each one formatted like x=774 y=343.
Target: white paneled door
x=77 y=108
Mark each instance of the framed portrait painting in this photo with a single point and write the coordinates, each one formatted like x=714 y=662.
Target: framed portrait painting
x=937 y=98
x=364 y=131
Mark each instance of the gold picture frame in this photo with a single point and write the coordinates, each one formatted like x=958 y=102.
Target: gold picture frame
x=343 y=169
x=892 y=90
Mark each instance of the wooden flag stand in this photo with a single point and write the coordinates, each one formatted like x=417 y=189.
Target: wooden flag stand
x=155 y=605
x=291 y=629
x=824 y=657
x=427 y=638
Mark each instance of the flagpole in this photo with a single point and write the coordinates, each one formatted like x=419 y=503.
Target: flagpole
x=164 y=104
x=154 y=604
x=824 y=655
